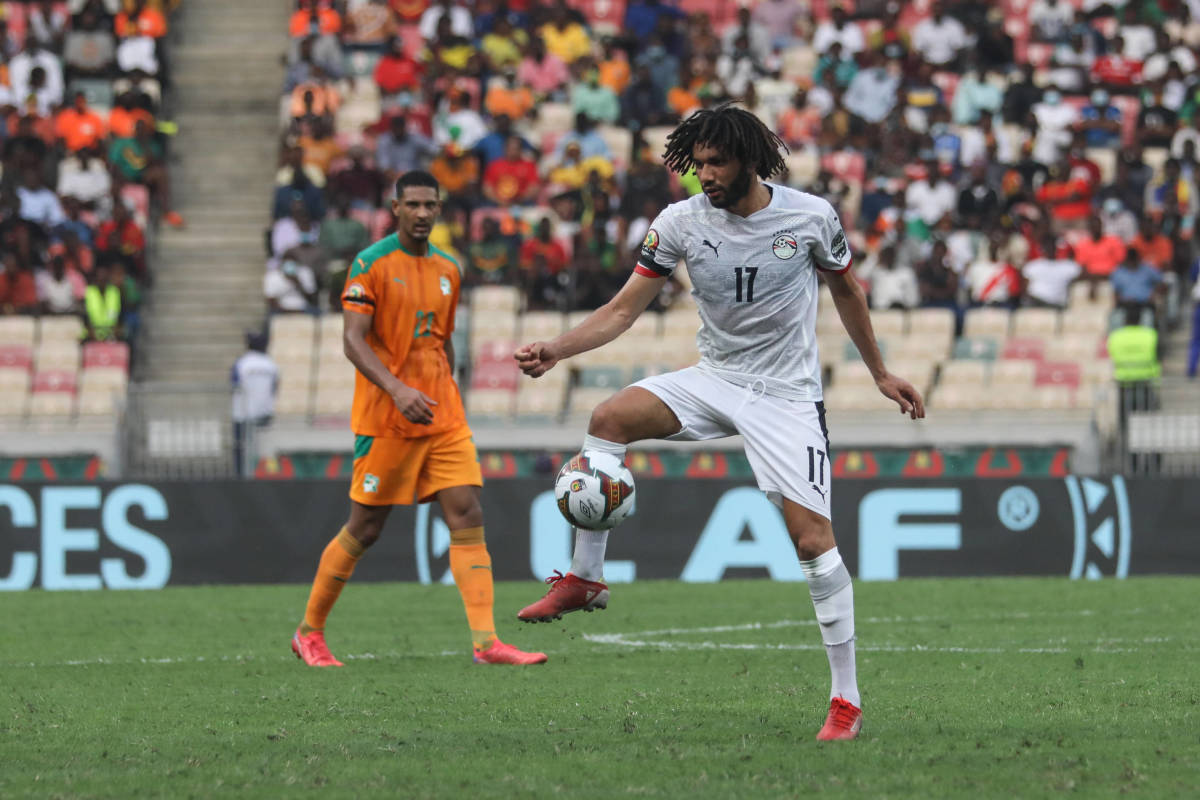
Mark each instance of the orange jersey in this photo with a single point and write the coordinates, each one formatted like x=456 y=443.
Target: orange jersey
x=413 y=299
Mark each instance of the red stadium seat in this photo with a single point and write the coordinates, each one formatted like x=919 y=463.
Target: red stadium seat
x=495 y=375
x=54 y=380
x=1024 y=348
x=106 y=354
x=137 y=197
x=413 y=41
x=16 y=355
x=604 y=15
x=849 y=165
x=1058 y=373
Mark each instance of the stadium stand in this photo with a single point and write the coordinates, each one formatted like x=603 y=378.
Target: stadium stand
x=954 y=137
x=84 y=190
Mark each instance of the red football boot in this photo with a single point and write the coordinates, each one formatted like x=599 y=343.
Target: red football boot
x=843 y=723
x=567 y=593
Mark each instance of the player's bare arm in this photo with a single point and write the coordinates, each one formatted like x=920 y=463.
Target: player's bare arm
x=851 y=306
x=601 y=327
x=416 y=406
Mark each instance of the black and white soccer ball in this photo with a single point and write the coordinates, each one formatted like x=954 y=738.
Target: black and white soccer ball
x=595 y=491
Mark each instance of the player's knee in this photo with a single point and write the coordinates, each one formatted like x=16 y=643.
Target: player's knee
x=607 y=423
x=366 y=531
x=811 y=541
x=466 y=512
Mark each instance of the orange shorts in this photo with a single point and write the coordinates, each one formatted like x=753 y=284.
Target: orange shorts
x=400 y=472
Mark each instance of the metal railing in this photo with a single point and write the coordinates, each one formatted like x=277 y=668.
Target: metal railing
x=1158 y=428
x=173 y=430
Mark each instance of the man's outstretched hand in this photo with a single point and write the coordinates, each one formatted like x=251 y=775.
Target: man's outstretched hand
x=535 y=359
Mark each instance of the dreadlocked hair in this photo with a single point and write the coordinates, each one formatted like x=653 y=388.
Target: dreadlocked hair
x=734 y=131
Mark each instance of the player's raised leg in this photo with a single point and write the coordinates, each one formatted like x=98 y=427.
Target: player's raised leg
x=471 y=566
x=631 y=415
x=833 y=599
x=334 y=569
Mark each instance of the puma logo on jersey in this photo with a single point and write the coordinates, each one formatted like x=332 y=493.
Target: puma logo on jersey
x=819 y=491
x=714 y=247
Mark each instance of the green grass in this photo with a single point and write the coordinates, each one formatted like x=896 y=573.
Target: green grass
x=987 y=688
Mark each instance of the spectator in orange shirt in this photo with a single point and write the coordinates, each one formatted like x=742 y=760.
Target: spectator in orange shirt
x=457 y=171
x=78 y=126
x=1097 y=253
x=800 y=123
x=615 y=71
x=512 y=179
x=140 y=20
x=510 y=99
x=315 y=99
x=1152 y=246
x=312 y=17
x=126 y=113
x=320 y=148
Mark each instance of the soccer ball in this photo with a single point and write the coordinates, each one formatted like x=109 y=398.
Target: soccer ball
x=594 y=491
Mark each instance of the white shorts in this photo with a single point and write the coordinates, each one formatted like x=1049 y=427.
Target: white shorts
x=787 y=444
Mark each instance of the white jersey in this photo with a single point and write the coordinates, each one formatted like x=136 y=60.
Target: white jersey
x=755 y=283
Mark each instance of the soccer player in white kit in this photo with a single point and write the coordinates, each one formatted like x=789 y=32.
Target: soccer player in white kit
x=752 y=250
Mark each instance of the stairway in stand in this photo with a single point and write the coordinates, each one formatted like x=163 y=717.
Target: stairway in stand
x=208 y=276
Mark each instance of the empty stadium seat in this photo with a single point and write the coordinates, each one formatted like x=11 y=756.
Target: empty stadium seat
x=555 y=117
x=16 y=356
x=18 y=331
x=55 y=381
x=60 y=329
x=51 y=404
x=980 y=347
x=490 y=403
x=540 y=325
x=965 y=372
x=1035 y=322
x=957 y=396
x=495 y=298
x=932 y=347
x=1058 y=373
x=851 y=397
x=986 y=322
x=13 y=402
x=108 y=378
x=491 y=326
x=97 y=401
x=1024 y=348
x=1013 y=373
x=333 y=399
x=14 y=379
x=581 y=402
x=540 y=402
x=1092 y=319
x=889 y=323
x=57 y=355
x=1086 y=294
x=106 y=354
x=852 y=373
x=292 y=401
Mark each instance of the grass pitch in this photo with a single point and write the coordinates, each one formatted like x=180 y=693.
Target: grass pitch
x=984 y=688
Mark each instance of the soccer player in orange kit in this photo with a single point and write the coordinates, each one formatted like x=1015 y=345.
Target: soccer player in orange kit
x=412 y=443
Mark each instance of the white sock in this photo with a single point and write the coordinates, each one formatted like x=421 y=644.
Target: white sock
x=588 y=560
x=833 y=599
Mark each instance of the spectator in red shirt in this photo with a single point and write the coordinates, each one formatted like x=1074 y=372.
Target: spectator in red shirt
x=18 y=288
x=546 y=246
x=1069 y=198
x=397 y=71
x=513 y=178
x=1097 y=253
x=122 y=238
x=1152 y=246
x=1114 y=71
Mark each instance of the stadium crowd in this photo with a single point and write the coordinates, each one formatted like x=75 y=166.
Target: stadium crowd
x=981 y=154
x=84 y=174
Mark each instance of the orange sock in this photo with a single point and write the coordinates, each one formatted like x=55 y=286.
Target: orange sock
x=472 y=569
x=336 y=567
